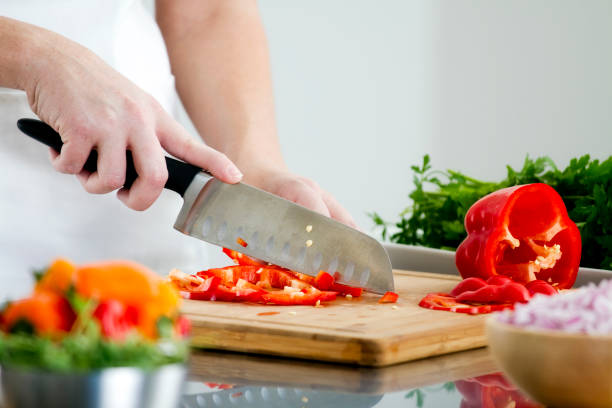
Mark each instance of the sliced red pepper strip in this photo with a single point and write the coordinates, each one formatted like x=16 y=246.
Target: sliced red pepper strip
x=468 y=285
x=242 y=259
x=231 y=274
x=522 y=232
x=347 y=290
x=443 y=301
x=388 y=297
x=206 y=291
x=539 y=286
x=278 y=278
x=509 y=292
x=283 y=298
x=324 y=281
x=236 y=294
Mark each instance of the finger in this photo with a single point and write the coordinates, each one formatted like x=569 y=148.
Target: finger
x=337 y=211
x=73 y=156
x=152 y=173
x=304 y=195
x=110 y=174
x=175 y=139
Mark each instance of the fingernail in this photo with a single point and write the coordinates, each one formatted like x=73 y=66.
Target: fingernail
x=234 y=173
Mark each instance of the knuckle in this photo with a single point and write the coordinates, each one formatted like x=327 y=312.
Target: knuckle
x=110 y=182
x=156 y=177
x=66 y=165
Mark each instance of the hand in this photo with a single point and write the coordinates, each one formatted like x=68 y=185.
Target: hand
x=94 y=107
x=299 y=190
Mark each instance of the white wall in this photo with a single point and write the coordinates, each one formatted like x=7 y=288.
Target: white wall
x=365 y=88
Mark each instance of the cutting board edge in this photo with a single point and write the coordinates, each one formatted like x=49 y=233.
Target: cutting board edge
x=371 y=352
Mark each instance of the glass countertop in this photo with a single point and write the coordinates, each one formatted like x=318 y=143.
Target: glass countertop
x=467 y=379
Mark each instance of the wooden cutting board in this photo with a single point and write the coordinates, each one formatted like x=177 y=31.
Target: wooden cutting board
x=358 y=331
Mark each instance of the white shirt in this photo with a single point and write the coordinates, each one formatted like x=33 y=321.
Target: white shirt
x=45 y=214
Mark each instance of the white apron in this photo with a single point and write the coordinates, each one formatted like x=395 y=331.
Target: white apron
x=45 y=214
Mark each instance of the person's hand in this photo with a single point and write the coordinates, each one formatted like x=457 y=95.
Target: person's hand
x=300 y=190
x=94 y=107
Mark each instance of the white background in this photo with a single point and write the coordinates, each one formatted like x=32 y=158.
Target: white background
x=365 y=88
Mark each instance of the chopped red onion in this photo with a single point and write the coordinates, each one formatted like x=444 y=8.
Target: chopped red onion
x=586 y=310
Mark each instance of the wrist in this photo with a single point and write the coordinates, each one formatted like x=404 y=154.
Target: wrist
x=18 y=59
x=259 y=170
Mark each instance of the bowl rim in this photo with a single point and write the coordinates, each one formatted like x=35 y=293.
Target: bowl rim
x=493 y=320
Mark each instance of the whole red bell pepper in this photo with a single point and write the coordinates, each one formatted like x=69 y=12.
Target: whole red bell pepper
x=523 y=232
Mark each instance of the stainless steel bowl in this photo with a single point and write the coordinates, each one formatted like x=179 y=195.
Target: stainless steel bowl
x=121 y=387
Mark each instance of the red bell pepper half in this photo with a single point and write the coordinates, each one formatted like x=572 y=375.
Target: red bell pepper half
x=523 y=232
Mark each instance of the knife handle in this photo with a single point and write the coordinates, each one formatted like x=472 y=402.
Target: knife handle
x=180 y=174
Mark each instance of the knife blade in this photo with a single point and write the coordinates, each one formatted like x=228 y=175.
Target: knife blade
x=274 y=229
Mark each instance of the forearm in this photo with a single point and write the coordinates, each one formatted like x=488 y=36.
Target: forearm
x=17 y=40
x=218 y=53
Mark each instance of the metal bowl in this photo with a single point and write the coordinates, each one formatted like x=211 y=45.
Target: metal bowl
x=118 y=387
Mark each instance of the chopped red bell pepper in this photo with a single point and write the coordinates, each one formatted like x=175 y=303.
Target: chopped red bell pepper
x=324 y=281
x=306 y=297
x=496 y=290
x=388 y=297
x=230 y=275
x=241 y=242
x=443 y=301
x=522 y=232
x=242 y=259
x=467 y=285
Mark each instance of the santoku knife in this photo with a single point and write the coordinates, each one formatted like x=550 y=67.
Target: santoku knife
x=274 y=229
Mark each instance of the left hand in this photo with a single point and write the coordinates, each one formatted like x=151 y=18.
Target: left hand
x=300 y=190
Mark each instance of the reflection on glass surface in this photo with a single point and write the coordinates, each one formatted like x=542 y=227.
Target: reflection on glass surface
x=486 y=391
x=469 y=379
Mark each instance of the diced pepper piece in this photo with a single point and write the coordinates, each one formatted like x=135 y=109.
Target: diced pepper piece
x=324 y=281
x=443 y=301
x=388 y=297
x=242 y=259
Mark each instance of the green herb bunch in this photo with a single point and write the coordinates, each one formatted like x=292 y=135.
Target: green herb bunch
x=441 y=199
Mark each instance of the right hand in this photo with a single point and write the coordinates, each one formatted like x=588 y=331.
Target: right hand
x=92 y=106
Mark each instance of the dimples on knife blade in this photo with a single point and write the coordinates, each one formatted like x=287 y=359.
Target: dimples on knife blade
x=283 y=233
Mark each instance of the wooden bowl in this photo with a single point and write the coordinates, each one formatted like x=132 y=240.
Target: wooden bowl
x=554 y=368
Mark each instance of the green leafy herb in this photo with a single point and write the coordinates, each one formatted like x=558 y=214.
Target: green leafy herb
x=441 y=199
x=85 y=352
x=85 y=349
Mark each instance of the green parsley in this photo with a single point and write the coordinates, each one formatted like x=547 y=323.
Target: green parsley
x=441 y=199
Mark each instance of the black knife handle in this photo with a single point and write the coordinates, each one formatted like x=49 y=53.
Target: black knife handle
x=180 y=174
